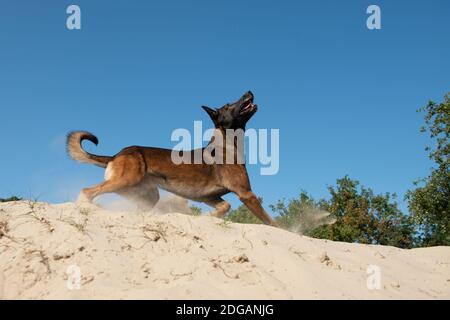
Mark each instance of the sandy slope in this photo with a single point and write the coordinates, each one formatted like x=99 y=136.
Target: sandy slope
x=131 y=255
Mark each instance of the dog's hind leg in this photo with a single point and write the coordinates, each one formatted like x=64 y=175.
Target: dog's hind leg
x=145 y=195
x=109 y=186
x=122 y=173
x=221 y=207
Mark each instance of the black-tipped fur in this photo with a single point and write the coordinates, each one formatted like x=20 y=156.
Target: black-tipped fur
x=76 y=151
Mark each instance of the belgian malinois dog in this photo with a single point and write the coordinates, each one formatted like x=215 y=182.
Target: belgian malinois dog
x=137 y=172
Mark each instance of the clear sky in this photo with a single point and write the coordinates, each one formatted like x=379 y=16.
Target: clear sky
x=344 y=97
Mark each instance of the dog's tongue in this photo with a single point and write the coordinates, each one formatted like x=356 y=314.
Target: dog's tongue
x=247 y=106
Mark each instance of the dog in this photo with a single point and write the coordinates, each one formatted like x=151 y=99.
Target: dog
x=138 y=172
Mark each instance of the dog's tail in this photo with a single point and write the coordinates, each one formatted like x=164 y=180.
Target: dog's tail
x=76 y=151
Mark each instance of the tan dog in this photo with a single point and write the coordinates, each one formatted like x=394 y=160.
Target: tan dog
x=137 y=172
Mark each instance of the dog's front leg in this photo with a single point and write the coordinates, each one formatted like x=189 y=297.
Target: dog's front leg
x=254 y=205
x=221 y=207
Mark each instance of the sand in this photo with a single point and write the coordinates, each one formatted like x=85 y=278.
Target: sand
x=65 y=251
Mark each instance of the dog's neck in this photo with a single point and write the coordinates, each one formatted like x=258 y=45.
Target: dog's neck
x=229 y=144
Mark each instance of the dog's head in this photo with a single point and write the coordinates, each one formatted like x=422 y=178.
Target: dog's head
x=233 y=115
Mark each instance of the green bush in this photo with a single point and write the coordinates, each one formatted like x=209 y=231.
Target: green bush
x=13 y=198
x=429 y=203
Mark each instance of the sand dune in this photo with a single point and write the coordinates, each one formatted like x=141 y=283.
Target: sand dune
x=123 y=255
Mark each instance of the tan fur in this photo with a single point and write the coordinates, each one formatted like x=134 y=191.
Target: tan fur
x=74 y=148
x=76 y=152
x=138 y=172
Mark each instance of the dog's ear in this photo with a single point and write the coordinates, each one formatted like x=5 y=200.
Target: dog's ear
x=213 y=114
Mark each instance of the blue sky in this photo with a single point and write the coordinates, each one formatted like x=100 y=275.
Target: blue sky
x=343 y=97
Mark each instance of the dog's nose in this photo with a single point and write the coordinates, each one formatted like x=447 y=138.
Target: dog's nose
x=249 y=93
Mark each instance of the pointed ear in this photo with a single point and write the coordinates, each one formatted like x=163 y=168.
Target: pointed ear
x=213 y=114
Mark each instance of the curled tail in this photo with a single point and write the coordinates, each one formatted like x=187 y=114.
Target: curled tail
x=76 y=151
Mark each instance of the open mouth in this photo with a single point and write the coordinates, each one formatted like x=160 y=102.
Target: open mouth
x=247 y=106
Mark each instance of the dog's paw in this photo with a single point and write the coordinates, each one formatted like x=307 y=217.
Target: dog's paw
x=213 y=214
x=84 y=203
x=83 y=199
